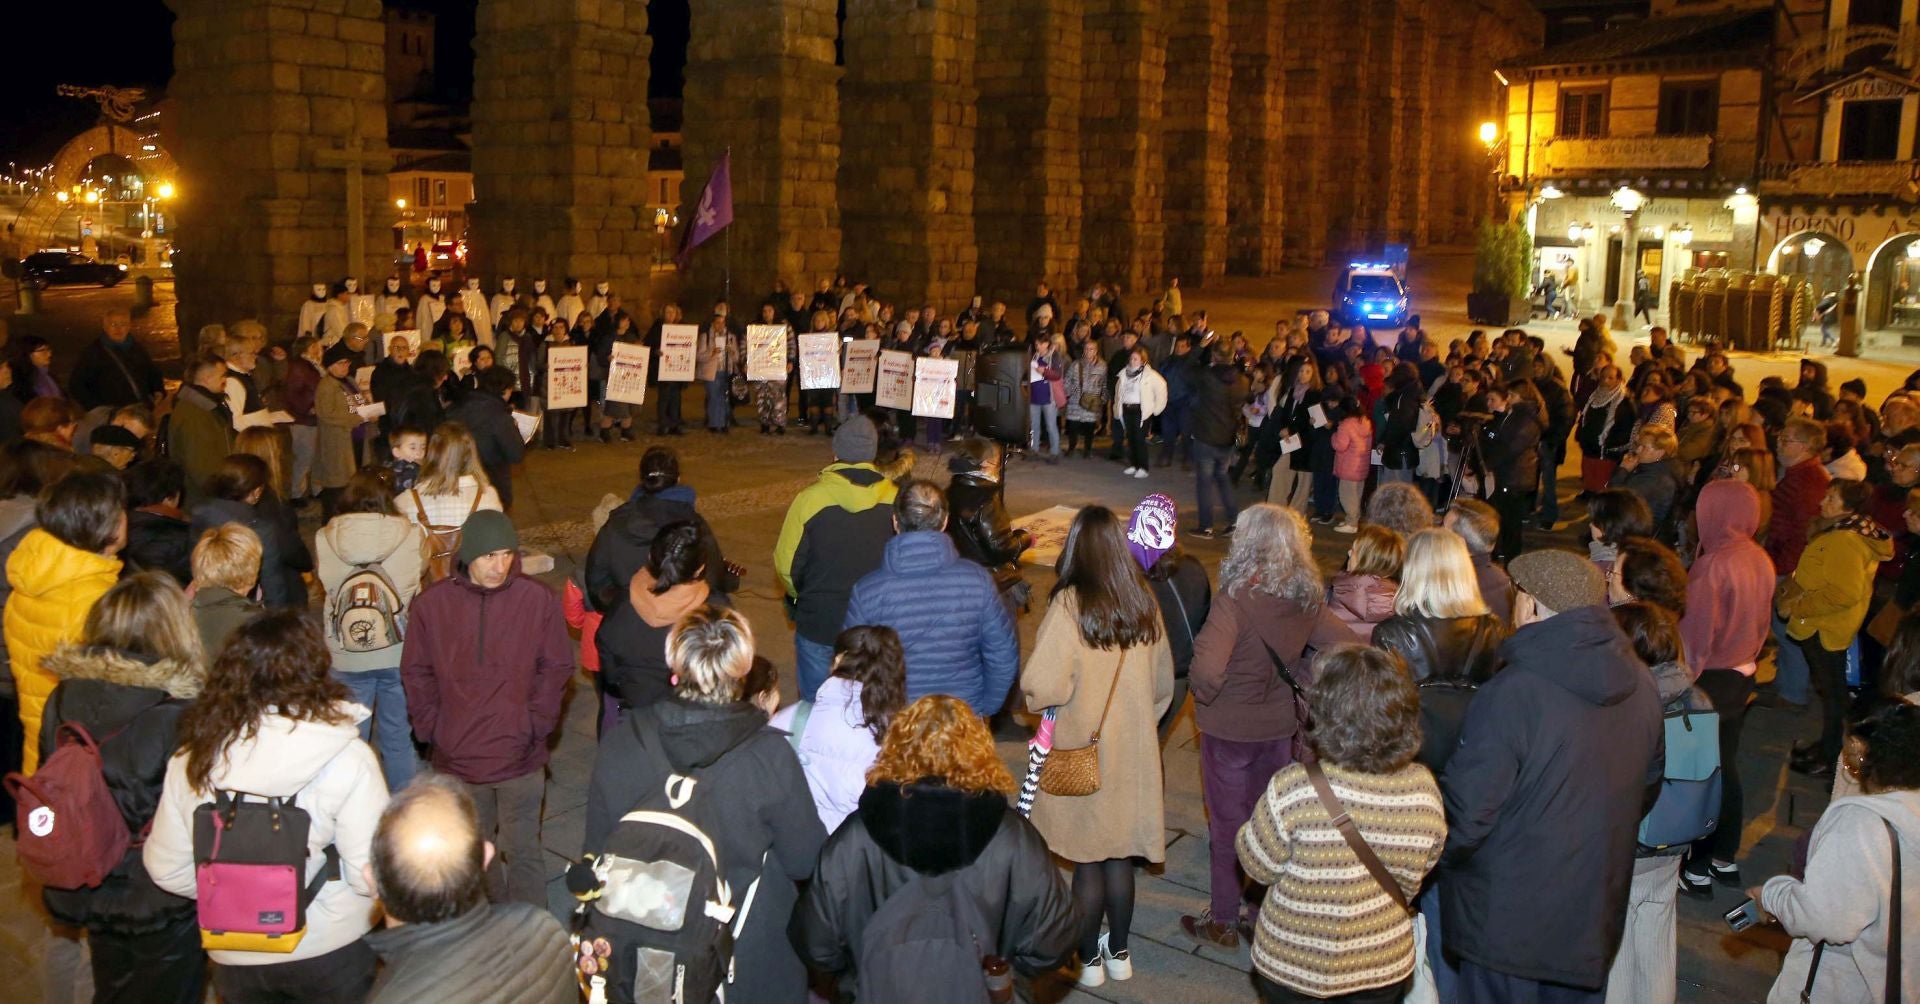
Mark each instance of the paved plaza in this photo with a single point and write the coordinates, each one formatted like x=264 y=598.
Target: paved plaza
x=745 y=482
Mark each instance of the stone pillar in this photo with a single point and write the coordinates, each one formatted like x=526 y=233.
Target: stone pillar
x=1027 y=202
x=560 y=138
x=1200 y=70
x=1405 y=173
x=1306 y=63
x=261 y=90
x=761 y=82
x=906 y=183
x=1351 y=140
x=1257 y=166
x=1122 y=155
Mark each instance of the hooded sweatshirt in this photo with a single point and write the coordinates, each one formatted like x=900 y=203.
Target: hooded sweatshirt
x=1835 y=576
x=1544 y=797
x=1730 y=586
x=393 y=543
x=330 y=773
x=761 y=813
x=835 y=747
x=1843 y=901
x=836 y=531
x=633 y=639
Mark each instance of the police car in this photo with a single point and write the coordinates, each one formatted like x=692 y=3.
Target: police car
x=1370 y=293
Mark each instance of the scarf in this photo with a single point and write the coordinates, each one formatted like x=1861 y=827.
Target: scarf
x=1863 y=525
x=1604 y=398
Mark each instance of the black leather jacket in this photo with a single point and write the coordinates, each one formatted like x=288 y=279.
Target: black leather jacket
x=982 y=531
x=1448 y=658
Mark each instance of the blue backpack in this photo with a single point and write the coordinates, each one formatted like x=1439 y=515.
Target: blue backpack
x=1689 y=804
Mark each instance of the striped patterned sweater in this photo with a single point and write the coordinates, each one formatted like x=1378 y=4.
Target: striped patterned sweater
x=1326 y=927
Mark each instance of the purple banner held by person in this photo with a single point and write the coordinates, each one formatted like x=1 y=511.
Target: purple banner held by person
x=715 y=210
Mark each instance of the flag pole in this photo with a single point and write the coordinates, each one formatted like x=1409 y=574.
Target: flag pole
x=727 y=247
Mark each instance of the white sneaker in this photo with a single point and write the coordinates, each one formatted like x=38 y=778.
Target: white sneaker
x=1140 y=473
x=1119 y=967
x=1346 y=528
x=1128 y=472
x=1092 y=974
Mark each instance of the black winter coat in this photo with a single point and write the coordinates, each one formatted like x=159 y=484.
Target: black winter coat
x=980 y=526
x=1217 y=395
x=766 y=813
x=283 y=554
x=111 y=376
x=131 y=706
x=1560 y=413
x=495 y=438
x=1400 y=414
x=157 y=542
x=929 y=829
x=622 y=546
x=1448 y=657
x=1593 y=422
x=1185 y=597
x=1557 y=759
x=1510 y=445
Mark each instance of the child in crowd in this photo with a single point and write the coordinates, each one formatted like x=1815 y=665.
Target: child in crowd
x=1352 y=457
x=409 y=449
x=1362 y=595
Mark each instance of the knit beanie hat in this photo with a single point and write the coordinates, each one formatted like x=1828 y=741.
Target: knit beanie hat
x=340 y=351
x=487 y=531
x=1559 y=580
x=1150 y=530
x=856 y=441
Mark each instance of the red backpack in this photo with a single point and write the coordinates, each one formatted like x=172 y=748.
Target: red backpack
x=68 y=829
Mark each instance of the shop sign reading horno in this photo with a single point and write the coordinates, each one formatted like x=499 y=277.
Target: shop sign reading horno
x=1643 y=152
x=1860 y=233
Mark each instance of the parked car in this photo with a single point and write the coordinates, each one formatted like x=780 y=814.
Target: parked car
x=1370 y=292
x=68 y=268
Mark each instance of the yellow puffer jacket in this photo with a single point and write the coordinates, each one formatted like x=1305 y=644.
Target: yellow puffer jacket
x=54 y=586
x=1835 y=576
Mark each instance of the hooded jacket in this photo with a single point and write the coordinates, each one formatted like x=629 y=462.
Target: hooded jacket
x=762 y=814
x=54 y=585
x=622 y=546
x=329 y=772
x=17 y=519
x=485 y=672
x=1835 y=576
x=1814 y=391
x=1544 y=796
x=1214 y=408
x=929 y=829
x=958 y=636
x=496 y=438
x=1843 y=902
x=1730 y=586
x=367 y=538
x=632 y=641
x=835 y=532
x=835 y=747
x=131 y=706
x=509 y=953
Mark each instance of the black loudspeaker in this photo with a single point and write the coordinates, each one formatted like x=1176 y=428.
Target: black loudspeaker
x=1000 y=396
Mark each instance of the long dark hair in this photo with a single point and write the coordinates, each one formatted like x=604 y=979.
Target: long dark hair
x=871 y=656
x=1900 y=670
x=1117 y=608
x=277 y=660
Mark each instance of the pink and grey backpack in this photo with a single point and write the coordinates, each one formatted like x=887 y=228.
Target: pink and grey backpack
x=250 y=868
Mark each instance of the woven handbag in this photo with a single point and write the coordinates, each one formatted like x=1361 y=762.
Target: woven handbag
x=1076 y=771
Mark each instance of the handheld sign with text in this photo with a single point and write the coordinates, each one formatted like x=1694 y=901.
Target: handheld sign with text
x=893 y=388
x=820 y=360
x=676 y=352
x=627 y=373
x=566 y=376
x=862 y=366
x=766 y=353
x=934 y=383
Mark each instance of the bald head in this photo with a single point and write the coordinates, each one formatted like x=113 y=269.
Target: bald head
x=429 y=862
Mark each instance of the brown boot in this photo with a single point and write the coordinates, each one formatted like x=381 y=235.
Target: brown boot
x=1204 y=931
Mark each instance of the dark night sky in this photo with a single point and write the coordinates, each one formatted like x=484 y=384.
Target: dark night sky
x=128 y=43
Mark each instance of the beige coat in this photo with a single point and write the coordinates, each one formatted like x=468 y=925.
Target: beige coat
x=333 y=458
x=1126 y=817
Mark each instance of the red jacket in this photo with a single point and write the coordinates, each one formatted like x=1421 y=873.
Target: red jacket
x=485 y=672
x=1796 y=501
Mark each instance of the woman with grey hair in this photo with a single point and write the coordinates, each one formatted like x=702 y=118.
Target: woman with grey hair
x=1267 y=620
x=1400 y=506
x=760 y=806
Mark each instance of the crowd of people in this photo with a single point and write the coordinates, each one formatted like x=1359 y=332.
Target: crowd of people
x=283 y=694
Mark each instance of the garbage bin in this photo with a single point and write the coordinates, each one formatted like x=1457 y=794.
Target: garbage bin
x=142 y=293
x=29 y=300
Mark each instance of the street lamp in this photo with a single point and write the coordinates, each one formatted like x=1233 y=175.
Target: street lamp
x=400 y=204
x=1629 y=202
x=1489 y=134
x=1683 y=236
x=165 y=190
x=93 y=196
x=61 y=197
x=1551 y=191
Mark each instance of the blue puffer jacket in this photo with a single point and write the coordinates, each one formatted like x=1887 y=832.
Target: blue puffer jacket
x=957 y=634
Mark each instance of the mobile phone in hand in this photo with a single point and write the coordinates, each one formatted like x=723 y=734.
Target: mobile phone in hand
x=1743 y=916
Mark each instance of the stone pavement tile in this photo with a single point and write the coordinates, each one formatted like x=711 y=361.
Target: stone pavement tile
x=1166 y=965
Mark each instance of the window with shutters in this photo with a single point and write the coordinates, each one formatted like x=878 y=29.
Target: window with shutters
x=1583 y=113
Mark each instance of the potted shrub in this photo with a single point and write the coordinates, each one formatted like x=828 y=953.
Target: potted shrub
x=1502 y=260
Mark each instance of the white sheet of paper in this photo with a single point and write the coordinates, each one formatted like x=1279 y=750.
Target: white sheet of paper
x=862 y=365
x=677 y=362
x=371 y=411
x=1377 y=461
x=766 y=352
x=527 y=424
x=255 y=419
x=1318 y=415
x=934 y=383
x=627 y=373
x=819 y=360
x=1289 y=444
x=363 y=378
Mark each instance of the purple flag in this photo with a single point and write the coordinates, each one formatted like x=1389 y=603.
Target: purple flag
x=715 y=210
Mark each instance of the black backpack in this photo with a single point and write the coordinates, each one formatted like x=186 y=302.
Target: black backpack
x=666 y=908
x=926 y=944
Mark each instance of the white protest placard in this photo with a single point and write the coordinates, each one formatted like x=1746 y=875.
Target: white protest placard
x=360 y=308
x=677 y=363
x=862 y=365
x=527 y=424
x=767 y=353
x=627 y=373
x=566 y=376
x=893 y=386
x=1048 y=528
x=1317 y=415
x=820 y=360
x=1289 y=444
x=410 y=336
x=934 y=383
